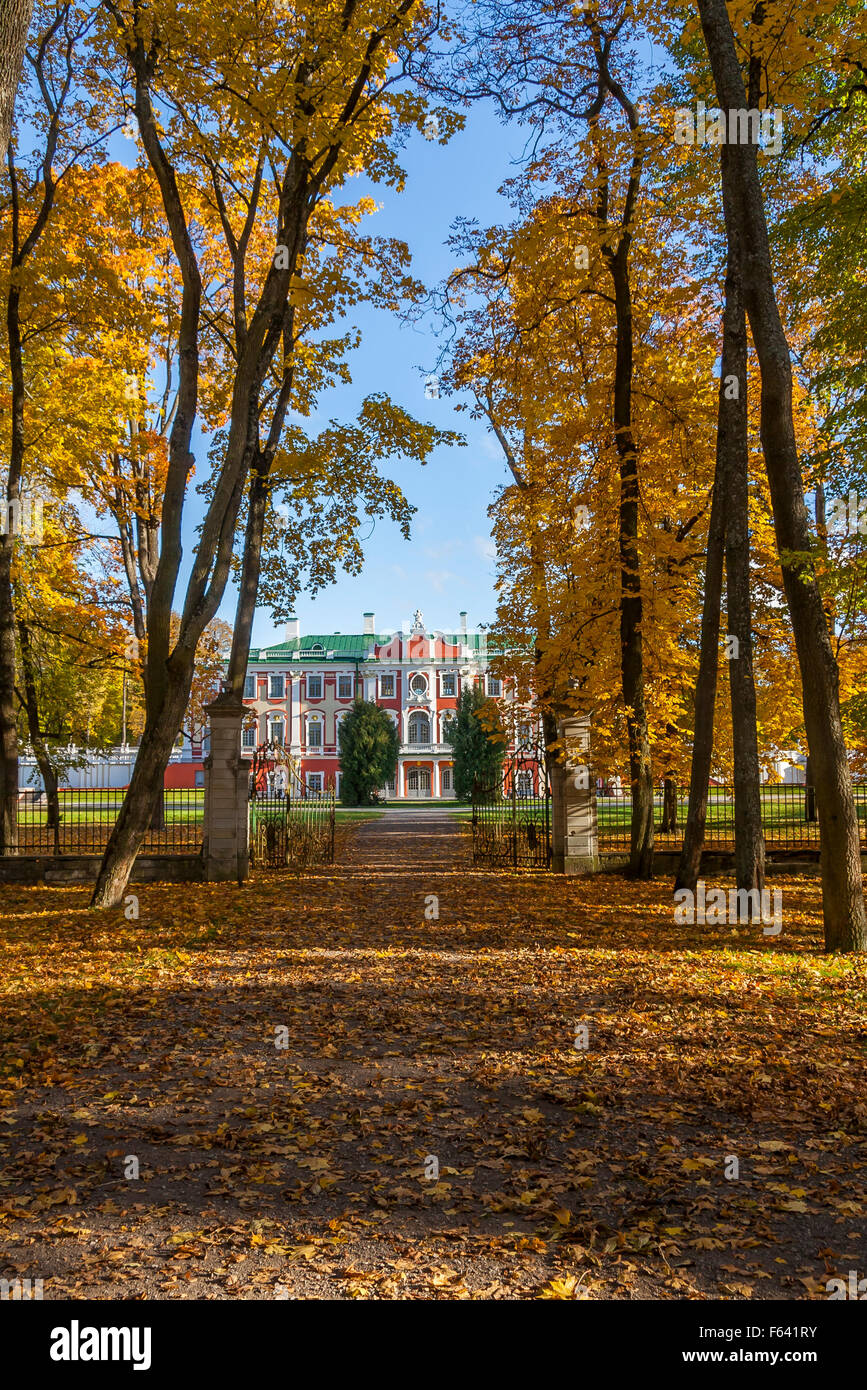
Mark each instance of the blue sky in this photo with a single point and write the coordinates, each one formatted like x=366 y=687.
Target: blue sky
x=448 y=565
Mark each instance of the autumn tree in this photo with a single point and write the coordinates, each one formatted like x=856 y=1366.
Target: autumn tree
x=270 y=111
x=842 y=898
x=60 y=136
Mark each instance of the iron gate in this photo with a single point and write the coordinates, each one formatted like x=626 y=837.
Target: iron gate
x=291 y=824
x=512 y=819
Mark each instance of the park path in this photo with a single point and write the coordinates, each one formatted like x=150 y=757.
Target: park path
x=415 y=839
x=284 y=1061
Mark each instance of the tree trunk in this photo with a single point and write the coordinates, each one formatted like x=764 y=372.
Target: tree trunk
x=689 y=866
x=668 y=825
x=31 y=705
x=8 y=707
x=248 y=588
x=14 y=23
x=749 y=838
x=145 y=789
x=810 y=813
x=842 y=896
x=8 y=710
x=631 y=603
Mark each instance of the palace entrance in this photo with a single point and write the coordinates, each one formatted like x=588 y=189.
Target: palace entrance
x=418 y=783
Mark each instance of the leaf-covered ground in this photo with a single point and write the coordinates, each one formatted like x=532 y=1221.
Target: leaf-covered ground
x=304 y=1170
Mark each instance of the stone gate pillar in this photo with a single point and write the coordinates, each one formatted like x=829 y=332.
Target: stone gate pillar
x=227 y=779
x=580 y=837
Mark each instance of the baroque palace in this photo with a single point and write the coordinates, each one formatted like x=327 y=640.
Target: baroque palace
x=298 y=691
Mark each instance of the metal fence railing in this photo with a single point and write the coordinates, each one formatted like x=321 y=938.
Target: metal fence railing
x=789 y=817
x=512 y=832
x=82 y=820
x=292 y=831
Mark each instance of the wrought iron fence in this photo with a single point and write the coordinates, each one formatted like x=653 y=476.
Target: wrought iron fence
x=511 y=821
x=81 y=820
x=789 y=816
x=291 y=823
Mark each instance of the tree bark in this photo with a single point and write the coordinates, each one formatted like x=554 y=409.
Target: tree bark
x=668 y=825
x=145 y=788
x=8 y=706
x=810 y=813
x=842 y=896
x=14 y=24
x=749 y=837
x=689 y=867
x=631 y=602
x=43 y=761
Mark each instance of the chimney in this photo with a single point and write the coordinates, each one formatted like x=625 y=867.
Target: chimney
x=463 y=620
x=293 y=629
x=369 y=624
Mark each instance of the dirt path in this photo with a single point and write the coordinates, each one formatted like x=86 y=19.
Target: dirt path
x=329 y=1093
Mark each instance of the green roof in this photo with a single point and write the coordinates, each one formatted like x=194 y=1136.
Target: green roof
x=345 y=645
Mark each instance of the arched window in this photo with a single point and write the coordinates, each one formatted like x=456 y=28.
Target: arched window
x=314 y=731
x=419 y=728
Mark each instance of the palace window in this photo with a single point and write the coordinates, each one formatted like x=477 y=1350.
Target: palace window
x=276 y=731
x=448 y=683
x=495 y=686
x=314 y=733
x=386 y=687
x=418 y=684
x=446 y=779
x=249 y=687
x=525 y=735
x=314 y=783
x=419 y=728
x=314 y=687
x=524 y=784
x=248 y=737
x=344 y=687
x=276 y=690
